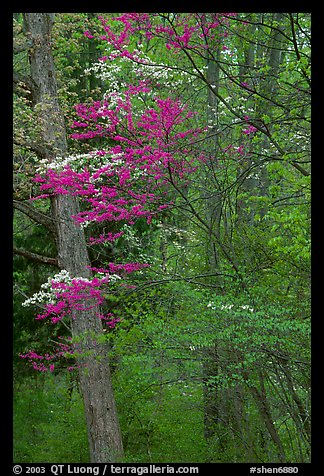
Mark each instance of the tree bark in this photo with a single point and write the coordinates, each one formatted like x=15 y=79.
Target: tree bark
x=105 y=443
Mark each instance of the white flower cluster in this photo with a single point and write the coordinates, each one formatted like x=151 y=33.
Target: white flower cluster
x=139 y=66
x=238 y=106
x=223 y=307
x=49 y=296
x=107 y=74
x=247 y=308
x=112 y=277
x=114 y=97
x=58 y=163
x=92 y=161
x=168 y=230
x=301 y=140
x=86 y=223
x=46 y=294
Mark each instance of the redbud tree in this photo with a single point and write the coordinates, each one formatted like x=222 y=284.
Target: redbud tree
x=150 y=150
x=149 y=138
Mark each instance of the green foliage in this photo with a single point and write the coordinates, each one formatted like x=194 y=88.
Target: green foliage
x=27 y=278
x=222 y=315
x=49 y=424
x=160 y=371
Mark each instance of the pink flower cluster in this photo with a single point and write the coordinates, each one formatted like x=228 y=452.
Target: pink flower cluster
x=104 y=238
x=179 y=31
x=42 y=363
x=153 y=152
x=121 y=268
x=79 y=295
x=249 y=130
x=109 y=320
x=84 y=294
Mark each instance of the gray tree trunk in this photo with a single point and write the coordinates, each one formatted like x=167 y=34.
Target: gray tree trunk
x=105 y=443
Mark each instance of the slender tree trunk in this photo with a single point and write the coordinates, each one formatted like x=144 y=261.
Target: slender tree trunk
x=213 y=204
x=210 y=391
x=261 y=400
x=218 y=402
x=105 y=443
x=300 y=415
x=210 y=366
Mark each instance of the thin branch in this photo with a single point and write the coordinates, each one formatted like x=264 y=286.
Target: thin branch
x=35 y=256
x=36 y=215
x=298 y=56
x=37 y=304
x=190 y=280
x=40 y=150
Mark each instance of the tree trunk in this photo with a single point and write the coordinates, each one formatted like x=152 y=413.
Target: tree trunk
x=263 y=406
x=210 y=391
x=105 y=443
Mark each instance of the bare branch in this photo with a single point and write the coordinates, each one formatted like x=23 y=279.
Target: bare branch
x=40 y=150
x=35 y=256
x=36 y=215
